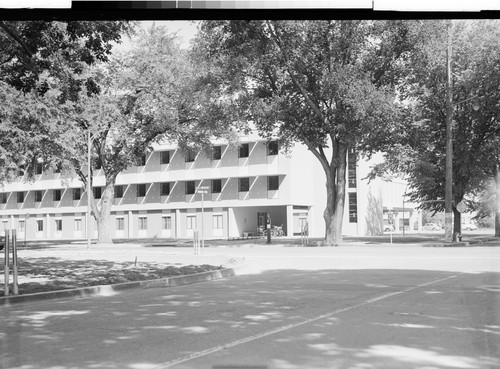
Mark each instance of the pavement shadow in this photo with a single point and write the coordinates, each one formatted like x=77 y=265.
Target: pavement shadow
x=42 y=274
x=278 y=319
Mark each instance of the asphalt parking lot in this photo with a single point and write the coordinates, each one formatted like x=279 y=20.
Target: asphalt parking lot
x=288 y=307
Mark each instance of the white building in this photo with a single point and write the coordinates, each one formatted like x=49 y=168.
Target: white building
x=245 y=184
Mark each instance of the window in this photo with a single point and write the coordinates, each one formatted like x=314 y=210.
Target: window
x=190 y=187
x=97 y=192
x=58 y=225
x=216 y=185
x=272 y=148
x=56 y=195
x=39 y=225
x=77 y=193
x=353 y=208
x=243 y=152
x=165 y=189
x=166 y=222
x=120 y=224
x=273 y=183
x=78 y=224
x=143 y=223
x=38 y=168
x=190 y=156
x=164 y=157
x=142 y=160
x=217 y=221
x=243 y=184
x=3 y=198
x=191 y=222
x=217 y=153
x=22 y=225
x=38 y=196
x=141 y=190
x=20 y=197
x=118 y=192
x=351 y=168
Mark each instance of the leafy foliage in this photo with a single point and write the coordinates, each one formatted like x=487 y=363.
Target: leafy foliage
x=421 y=151
x=326 y=84
x=44 y=70
x=148 y=95
x=32 y=129
x=35 y=52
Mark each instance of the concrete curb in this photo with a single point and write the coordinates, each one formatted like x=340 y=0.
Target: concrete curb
x=484 y=242
x=109 y=290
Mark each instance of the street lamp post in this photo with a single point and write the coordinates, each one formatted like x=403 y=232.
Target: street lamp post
x=448 y=195
x=203 y=190
x=89 y=197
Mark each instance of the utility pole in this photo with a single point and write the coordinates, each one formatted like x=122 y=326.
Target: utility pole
x=89 y=188
x=448 y=195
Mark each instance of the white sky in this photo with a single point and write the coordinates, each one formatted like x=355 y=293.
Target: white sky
x=185 y=31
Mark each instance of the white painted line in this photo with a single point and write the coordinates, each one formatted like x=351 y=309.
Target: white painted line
x=196 y=355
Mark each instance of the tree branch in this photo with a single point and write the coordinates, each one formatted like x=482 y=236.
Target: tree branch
x=8 y=59
x=301 y=88
x=14 y=35
x=319 y=154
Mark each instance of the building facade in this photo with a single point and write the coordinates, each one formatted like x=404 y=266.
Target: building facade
x=243 y=186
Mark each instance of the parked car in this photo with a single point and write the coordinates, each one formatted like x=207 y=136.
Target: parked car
x=469 y=227
x=431 y=227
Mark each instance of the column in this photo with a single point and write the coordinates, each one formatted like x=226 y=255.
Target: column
x=177 y=223
x=47 y=233
x=289 y=220
x=129 y=225
x=230 y=221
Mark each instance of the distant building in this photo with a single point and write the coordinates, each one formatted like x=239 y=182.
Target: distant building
x=246 y=184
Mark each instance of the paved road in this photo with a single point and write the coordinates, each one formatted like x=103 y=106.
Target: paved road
x=312 y=316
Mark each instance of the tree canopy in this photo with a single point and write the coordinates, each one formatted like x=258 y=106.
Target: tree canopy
x=34 y=53
x=149 y=94
x=44 y=70
x=420 y=151
x=327 y=84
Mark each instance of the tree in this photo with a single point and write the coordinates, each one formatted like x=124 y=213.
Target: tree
x=148 y=95
x=32 y=128
x=33 y=52
x=43 y=70
x=325 y=84
x=420 y=152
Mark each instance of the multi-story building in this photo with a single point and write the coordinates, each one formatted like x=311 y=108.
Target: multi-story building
x=244 y=185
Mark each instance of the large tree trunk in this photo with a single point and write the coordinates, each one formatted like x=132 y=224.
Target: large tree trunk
x=497 y=192
x=335 y=201
x=104 y=234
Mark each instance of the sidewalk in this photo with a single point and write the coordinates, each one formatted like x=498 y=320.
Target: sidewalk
x=47 y=267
